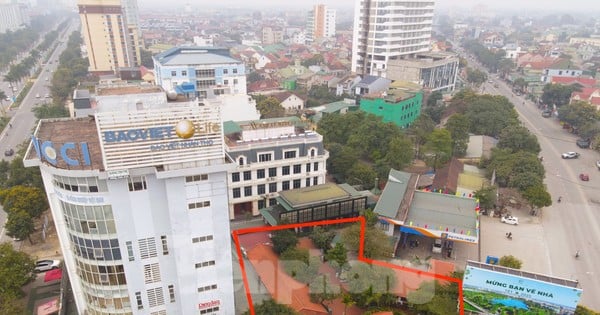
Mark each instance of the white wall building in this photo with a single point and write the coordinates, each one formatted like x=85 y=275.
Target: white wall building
x=389 y=29
x=272 y=155
x=13 y=17
x=138 y=197
x=207 y=71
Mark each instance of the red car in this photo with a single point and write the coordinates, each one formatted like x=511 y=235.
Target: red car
x=584 y=177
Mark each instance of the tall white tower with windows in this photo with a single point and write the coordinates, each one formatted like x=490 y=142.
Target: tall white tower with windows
x=140 y=203
x=389 y=29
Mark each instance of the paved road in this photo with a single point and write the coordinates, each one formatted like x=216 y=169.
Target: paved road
x=23 y=119
x=573 y=224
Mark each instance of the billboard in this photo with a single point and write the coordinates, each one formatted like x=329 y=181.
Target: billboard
x=177 y=134
x=492 y=290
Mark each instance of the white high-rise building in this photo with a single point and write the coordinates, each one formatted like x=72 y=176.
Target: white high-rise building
x=138 y=193
x=385 y=30
x=13 y=17
x=320 y=23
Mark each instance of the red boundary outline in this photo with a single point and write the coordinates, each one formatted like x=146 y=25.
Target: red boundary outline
x=361 y=219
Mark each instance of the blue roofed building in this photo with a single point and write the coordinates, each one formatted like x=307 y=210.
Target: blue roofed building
x=203 y=72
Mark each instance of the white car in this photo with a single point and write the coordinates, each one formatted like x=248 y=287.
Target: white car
x=46 y=264
x=570 y=155
x=437 y=246
x=509 y=219
x=598 y=164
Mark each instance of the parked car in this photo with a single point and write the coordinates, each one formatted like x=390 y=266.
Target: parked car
x=547 y=114
x=598 y=164
x=570 y=155
x=509 y=219
x=437 y=246
x=9 y=152
x=583 y=143
x=46 y=264
x=584 y=177
x=37 y=95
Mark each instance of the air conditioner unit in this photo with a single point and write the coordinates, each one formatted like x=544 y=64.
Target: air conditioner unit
x=103 y=278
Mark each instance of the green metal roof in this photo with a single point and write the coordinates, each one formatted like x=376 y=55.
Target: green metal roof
x=230 y=127
x=314 y=194
x=393 y=193
x=268 y=215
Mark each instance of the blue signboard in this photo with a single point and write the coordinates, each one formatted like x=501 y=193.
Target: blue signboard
x=497 y=291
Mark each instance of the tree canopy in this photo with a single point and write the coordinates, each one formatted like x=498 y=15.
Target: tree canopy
x=518 y=138
x=269 y=107
x=272 y=307
x=358 y=141
x=558 y=94
x=32 y=200
x=510 y=261
x=16 y=270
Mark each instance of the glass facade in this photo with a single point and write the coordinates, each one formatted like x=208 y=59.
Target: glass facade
x=93 y=238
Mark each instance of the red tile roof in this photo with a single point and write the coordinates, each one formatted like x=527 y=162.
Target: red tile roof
x=283 y=288
x=586 y=82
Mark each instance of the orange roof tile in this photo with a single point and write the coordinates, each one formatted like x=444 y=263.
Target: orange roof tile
x=283 y=288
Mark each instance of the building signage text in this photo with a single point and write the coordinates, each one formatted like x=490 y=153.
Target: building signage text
x=205 y=305
x=80 y=198
x=50 y=152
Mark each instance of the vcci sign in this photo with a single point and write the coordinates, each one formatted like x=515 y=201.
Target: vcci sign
x=74 y=154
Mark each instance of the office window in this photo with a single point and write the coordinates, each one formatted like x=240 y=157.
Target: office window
x=200 y=239
x=207 y=288
x=205 y=264
x=260 y=173
x=241 y=160
x=247 y=175
x=173 y=73
x=272 y=202
x=155 y=297
x=211 y=310
x=138 y=298
x=260 y=189
x=296 y=183
x=225 y=82
x=261 y=203
x=129 y=246
x=236 y=193
x=307 y=182
x=297 y=169
x=289 y=154
x=285 y=185
x=235 y=81
x=137 y=183
x=235 y=70
x=316 y=166
x=171 y=293
x=165 y=246
x=265 y=157
x=205 y=73
x=196 y=178
x=247 y=191
x=199 y=204
x=225 y=71
x=272 y=171
x=235 y=177
x=307 y=167
x=272 y=187
x=285 y=170
x=315 y=180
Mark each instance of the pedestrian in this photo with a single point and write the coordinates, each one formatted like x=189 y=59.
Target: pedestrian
x=9 y=125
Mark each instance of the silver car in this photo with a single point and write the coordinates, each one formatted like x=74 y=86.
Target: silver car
x=46 y=264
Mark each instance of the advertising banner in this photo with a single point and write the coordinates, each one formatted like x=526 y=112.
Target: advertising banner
x=496 y=292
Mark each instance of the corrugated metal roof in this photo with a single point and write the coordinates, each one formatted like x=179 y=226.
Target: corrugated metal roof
x=442 y=210
x=393 y=194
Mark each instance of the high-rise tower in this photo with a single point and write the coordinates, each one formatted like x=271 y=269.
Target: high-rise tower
x=138 y=193
x=389 y=29
x=111 y=34
x=320 y=22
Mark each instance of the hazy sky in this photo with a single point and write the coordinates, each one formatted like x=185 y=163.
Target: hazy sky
x=570 y=5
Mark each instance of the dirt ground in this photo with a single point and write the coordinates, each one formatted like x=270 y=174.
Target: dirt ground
x=40 y=248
